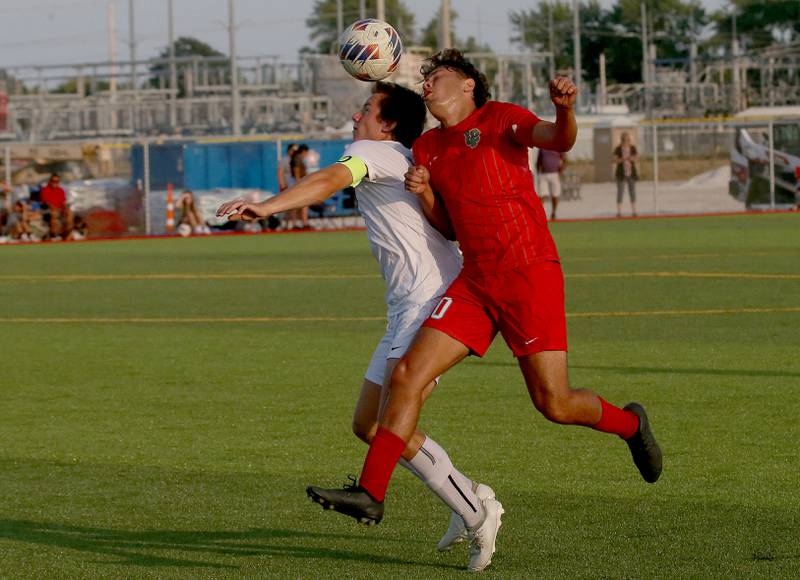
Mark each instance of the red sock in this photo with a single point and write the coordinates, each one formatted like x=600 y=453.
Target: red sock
x=384 y=453
x=617 y=421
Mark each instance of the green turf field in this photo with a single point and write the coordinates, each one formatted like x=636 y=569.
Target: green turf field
x=148 y=430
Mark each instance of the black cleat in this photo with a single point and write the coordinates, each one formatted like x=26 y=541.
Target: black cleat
x=352 y=500
x=644 y=448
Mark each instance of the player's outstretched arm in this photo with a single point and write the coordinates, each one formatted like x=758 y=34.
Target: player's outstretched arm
x=561 y=135
x=417 y=181
x=314 y=188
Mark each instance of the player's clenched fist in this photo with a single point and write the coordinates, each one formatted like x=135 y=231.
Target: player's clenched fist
x=417 y=179
x=563 y=92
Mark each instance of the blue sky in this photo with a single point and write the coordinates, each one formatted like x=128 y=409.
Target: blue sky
x=70 y=31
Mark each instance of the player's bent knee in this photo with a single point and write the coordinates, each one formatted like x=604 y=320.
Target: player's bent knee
x=404 y=383
x=556 y=409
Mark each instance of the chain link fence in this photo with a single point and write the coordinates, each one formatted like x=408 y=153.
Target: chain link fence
x=686 y=167
x=691 y=167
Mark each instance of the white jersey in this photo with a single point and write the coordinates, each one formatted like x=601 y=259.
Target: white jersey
x=416 y=261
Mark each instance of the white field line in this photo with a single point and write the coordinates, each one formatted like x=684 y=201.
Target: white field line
x=269 y=319
x=250 y=276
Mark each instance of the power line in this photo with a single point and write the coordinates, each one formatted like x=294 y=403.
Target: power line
x=51 y=7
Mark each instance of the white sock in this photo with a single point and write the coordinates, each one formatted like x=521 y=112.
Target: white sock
x=432 y=465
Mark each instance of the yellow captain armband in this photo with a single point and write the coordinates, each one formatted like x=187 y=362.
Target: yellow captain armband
x=356 y=166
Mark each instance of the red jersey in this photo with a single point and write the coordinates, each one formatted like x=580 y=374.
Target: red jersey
x=54 y=197
x=480 y=169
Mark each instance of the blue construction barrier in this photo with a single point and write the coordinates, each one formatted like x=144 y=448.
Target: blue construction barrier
x=247 y=165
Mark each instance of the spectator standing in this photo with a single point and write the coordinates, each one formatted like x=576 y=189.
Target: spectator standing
x=54 y=198
x=285 y=177
x=311 y=161
x=298 y=218
x=549 y=165
x=626 y=158
x=285 y=181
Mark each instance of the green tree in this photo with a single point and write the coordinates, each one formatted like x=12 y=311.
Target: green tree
x=430 y=35
x=71 y=87
x=759 y=23
x=322 y=22
x=615 y=32
x=10 y=83
x=671 y=23
x=531 y=29
x=184 y=46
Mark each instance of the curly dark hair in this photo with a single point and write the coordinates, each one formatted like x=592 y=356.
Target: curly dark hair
x=453 y=59
x=405 y=107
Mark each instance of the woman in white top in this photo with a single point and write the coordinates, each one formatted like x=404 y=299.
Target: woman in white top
x=285 y=178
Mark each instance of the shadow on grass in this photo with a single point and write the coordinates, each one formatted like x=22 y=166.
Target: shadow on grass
x=663 y=370
x=689 y=371
x=137 y=548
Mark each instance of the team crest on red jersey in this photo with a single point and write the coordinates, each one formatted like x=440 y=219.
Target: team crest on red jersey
x=472 y=137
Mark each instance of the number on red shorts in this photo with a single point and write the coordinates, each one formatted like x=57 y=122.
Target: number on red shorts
x=441 y=308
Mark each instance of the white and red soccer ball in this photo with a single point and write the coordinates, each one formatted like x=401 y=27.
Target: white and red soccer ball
x=370 y=49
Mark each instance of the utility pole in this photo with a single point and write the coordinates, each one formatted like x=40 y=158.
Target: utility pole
x=112 y=47
x=576 y=39
x=601 y=94
x=692 y=51
x=235 y=104
x=478 y=18
x=445 y=40
x=551 y=39
x=737 y=82
x=362 y=9
x=132 y=44
x=645 y=65
x=173 y=73
x=339 y=24
x=381 y=10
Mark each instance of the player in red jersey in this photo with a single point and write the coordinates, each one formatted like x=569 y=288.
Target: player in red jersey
x=476 y=162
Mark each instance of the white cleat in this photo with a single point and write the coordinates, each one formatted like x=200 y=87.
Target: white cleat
x=457 y=531
x=482 y=540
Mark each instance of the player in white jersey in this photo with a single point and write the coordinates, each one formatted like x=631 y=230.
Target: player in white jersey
x=416 y=262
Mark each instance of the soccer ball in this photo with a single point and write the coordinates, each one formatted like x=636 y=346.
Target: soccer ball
x=370 y=49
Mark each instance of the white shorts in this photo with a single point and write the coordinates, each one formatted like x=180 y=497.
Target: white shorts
x=553 y=182
x=400 y=332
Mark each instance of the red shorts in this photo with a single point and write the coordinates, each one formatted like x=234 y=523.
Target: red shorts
x=525 y=305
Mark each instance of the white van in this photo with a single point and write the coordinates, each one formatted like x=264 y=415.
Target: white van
x=749 y=181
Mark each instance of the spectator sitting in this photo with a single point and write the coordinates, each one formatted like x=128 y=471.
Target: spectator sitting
x=54 y=199
x=18 y=223
x=797 y=188
x=324 y=209
x=80 y=229
x=5 y=209
x=191 y=214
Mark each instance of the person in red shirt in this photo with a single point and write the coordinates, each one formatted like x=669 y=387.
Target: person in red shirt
x=474 y=181
x=55 y=198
